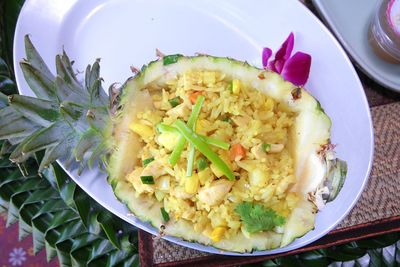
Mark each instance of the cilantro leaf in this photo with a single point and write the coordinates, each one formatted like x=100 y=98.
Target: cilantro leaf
x=257 y=218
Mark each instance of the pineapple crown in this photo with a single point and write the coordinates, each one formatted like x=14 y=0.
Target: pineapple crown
x=66 y=118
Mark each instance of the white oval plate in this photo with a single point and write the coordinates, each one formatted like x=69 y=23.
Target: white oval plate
x=127 y=32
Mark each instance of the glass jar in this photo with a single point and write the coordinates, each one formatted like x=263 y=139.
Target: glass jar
x=384 y=31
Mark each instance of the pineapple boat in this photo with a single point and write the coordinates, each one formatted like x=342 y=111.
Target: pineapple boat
x=208 y=149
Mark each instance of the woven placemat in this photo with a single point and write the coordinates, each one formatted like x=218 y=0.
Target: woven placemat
x=380 y=199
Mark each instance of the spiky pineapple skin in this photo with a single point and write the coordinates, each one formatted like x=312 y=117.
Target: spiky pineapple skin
x=304 y=143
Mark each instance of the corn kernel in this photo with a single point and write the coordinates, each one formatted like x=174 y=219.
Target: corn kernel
x=192 y=184
x=144 y=131
x=217 y=233
x=235 y=86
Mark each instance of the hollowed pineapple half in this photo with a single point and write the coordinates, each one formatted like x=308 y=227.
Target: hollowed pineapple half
x=318 y=175
x=68 y=119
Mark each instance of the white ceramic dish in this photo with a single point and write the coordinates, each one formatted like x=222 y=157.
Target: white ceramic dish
x=127 y=32
x=350 y=20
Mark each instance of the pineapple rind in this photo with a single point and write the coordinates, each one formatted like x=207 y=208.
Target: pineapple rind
x=311 y=130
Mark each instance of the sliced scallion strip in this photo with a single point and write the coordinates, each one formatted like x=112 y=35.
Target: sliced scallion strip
x=161 y=127
x=200 y=145
x=201 y=164
x=147 y=179
x=145 y=162
x=266 y=147
x=175 y=101
x=164 y=214
x=227 y=119
x=215 y=142
x=176 y=153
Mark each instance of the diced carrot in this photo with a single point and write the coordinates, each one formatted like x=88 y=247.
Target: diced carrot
x=193 y=97
x=237 y=152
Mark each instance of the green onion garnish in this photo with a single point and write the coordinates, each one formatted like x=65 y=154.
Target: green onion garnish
x=198 y=143
x=161 y=127
x=230 y=86
x=148 y=179
x=201 y=164
x=175 y=101
x=164 y=214
x=176 y=153
x=227 y=119
x=266 y=147
x=215 y=142
x=145 y=162
x=190 y=163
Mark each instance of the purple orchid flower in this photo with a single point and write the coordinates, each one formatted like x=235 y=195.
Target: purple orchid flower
x=295 y=69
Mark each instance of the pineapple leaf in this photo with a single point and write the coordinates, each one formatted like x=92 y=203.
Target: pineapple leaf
x=40 y=84
x=43 y=112
x=13 y=125
x=65 y=113
x=3 y=99
x=64 y=70
x=47 y=137
x=36 y=60
x=57 y=151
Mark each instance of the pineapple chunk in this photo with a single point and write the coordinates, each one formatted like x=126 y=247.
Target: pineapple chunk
x=168 y=140
x=155 y=169
x=215 y=193
x=205 y=175
x=217 y=233
x=159 y=195
x=192 y=184
x=258 y=177
x=145 y=131
x=163 y=183
x=235 y=86
x=180 y=111
x=134 y=179
x=276 y=148
x=217 y=172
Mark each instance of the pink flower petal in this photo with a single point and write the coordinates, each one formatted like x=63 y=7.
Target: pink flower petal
x=282 y=55
x=266 y=54
x=297 y=69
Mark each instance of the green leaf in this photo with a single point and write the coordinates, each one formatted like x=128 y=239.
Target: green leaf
x=43 y=112
x=7 y=86
x=4 y=68
x=36 y=60
x=42 y=86
x=257 y=218
x=345 y=252
x=109 y=228
x=58 y=151
x=9 y=11
x=47 y=137
x=170 y=59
